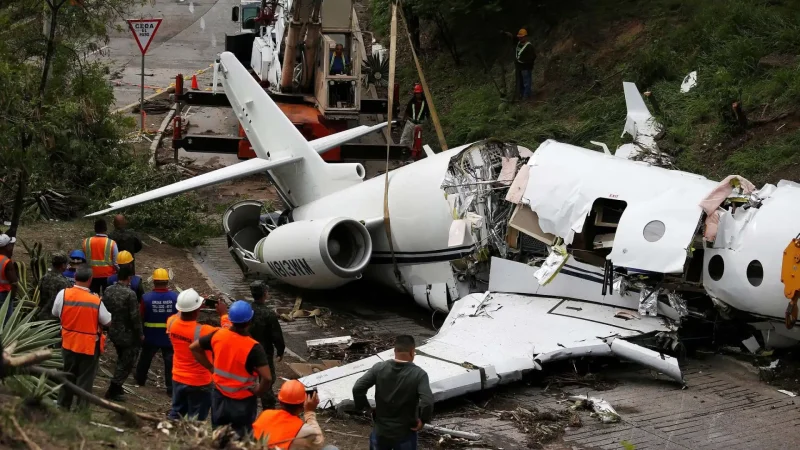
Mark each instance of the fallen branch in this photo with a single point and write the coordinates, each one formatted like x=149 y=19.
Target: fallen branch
x=453 y=433
x=27 y=359
x=91 y=398
x=31 y=445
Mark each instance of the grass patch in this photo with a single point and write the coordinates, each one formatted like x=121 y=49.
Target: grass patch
x=584 y=57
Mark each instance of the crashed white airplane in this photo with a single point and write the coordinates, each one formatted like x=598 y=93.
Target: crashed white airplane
x=591 y=253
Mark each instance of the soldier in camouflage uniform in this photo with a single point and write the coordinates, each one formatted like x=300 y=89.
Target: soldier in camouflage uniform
x=266 y=330
x=126 y=240
x=51 y=284
x=126 y=330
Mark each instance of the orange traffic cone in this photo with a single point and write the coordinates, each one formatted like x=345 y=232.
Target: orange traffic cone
x=194 y=83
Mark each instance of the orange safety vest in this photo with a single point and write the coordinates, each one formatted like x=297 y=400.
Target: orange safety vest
x=5 y=285
x=185 y=369
x=99 y=251
x=225 y=322
x=230 y=354
x=79 y=321
x=279 y=425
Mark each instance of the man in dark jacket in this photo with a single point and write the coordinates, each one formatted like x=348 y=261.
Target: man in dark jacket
x=126 y=239
x=403 y=398
x=266 y=330
x=125 y=331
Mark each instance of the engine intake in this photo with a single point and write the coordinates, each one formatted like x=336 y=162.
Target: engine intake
x=317 y=254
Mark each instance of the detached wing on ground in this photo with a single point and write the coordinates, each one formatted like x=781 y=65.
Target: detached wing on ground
x=494 y=338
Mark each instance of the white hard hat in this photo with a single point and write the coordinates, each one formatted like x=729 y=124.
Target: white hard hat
x=188 y=301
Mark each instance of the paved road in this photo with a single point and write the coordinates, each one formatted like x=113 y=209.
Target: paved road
x=189 y=39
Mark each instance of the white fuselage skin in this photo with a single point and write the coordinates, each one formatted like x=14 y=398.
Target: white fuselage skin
x=420 y=222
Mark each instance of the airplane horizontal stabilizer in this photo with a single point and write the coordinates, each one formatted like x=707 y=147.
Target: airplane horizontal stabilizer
x=325 y=143
x=239 y=170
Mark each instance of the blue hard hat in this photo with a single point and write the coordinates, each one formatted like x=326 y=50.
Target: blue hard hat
x=240 y=312
x=77 y=254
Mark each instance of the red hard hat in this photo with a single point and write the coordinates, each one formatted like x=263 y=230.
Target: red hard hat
x=418 y=89
x=292 y=392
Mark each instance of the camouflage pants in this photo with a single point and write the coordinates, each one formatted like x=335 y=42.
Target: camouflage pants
x=126 y=359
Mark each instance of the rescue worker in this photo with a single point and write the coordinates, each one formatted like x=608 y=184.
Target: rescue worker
x=284 y=426
x=126 y=240
x=191 y=383
x=126 y=332
x=157 y=306
x=225 y=322
x=403 y=398
x=239 y=361
x=51 y=284
x=416 y=111
x=525 y=56
x=339 y=62
x=266 y=330
x=8 y=272
x=82 y=341
x=125 y=259
x=101 y=254
x=76 y=258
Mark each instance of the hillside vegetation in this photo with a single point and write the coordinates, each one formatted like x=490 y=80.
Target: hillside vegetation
x=743 y=50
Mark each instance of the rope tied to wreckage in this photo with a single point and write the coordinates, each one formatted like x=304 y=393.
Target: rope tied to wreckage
x=387 y=223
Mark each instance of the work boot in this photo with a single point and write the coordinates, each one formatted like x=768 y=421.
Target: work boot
x=115 y=393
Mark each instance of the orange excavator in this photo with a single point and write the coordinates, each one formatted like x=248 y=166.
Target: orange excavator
x=790 y=277
x=307 y=56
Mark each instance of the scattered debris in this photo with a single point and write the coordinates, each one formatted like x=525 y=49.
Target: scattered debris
x=601 y=408
x=789 y=393
x=542 y=426
x=305 y=369
x=591 y=380
x=341 y=340
x=102 y=425
x=689 y=82
x=555 y=261
x=453 y=433
x=360 y=346
x=164 y=426
x=297 y=313
x=752 y=344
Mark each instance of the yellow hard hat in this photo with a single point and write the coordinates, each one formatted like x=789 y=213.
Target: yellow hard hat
x=522 y=32
x=160 y=275
x=124 y=257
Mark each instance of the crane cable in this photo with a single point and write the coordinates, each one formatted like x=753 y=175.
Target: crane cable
x=386 y=219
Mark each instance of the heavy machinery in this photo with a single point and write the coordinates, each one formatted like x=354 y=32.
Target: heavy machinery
x=289 y=47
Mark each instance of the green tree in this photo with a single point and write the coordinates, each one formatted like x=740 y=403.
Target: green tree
x=55 y=102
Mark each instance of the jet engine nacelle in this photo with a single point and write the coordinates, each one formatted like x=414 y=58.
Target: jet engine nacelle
x=316 y=254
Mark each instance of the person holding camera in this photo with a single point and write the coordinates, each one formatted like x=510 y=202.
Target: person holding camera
x=284 y=429
x=240 y=371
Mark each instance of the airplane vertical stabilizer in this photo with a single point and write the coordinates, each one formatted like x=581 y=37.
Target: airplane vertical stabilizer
x=274 y=137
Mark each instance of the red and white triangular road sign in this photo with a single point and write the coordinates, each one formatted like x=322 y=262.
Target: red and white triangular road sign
x=143 y=31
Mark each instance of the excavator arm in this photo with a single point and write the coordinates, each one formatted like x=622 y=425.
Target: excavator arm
x=790 y=277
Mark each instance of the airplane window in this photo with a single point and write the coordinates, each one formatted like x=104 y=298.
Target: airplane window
x=654 y=230
x=755 y=273
x=716 y=267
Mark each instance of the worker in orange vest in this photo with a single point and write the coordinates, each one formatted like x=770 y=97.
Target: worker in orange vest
x=239 y=361
x=82 y=341
x=191 y=383
x=101 y=254
x=8 y=273
x=284 y=427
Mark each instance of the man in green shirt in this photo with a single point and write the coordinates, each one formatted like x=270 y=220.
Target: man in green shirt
x=403 y=398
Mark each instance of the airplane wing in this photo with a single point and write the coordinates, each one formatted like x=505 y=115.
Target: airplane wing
x=326 y=143
x=495 y=338
x=239 y=170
